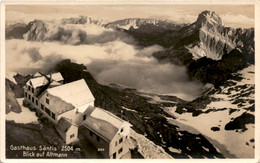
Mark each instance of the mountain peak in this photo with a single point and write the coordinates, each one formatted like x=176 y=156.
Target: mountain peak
x=210 y=17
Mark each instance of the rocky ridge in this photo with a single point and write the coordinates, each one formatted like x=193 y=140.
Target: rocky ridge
x=134 y=23
x=215 y=39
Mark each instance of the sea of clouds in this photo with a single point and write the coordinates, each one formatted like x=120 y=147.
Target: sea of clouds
x=111 y=57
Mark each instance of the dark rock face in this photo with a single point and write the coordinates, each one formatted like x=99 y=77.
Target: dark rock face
x=37 y=30
x=215 y=39
x=11 y=102
x=215 y=128
x=14 y=91
x=15 y=31
x=240 y=122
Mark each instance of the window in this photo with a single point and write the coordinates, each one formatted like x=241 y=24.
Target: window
x=122 y=130
x=90 y=133
x=98 y=138
x=47 y=101
x=53 y=115
x=29 y=88
x=71 y=136
x=32 y=90
x=84 y=117
x=29 y=97
x=48 y=111
x=25 y=94
x=114 y=155
x=42 y=107
x=33 y=99
x=36 y=101
x=115 y=143
x=120 y=140
x=120 y=150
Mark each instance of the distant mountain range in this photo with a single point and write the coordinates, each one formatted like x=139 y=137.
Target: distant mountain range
x=135 y=23
x=209 y=50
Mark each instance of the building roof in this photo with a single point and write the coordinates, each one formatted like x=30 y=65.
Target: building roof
x=37 y=74
x=63 y=126
x=56 y=76
x=37 y=82
x=103 y=123
x=76 y=93
x=40 y=79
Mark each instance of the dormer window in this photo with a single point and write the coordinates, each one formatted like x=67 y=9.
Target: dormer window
x=121 y=130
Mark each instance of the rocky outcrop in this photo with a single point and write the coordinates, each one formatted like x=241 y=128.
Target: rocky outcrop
x=11 y=102
x=15 y=30
x=210 y=51
x=37 y=31
x=215 y=39
x=44 y=31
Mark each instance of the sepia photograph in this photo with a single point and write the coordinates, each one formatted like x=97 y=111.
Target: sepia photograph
x=133 y=81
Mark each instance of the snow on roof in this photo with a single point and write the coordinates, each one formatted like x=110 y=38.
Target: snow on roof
x=54 y=83
x=104 y=123
x=37 y=82
x=37 y=74
x=76 y=93
x=40 y=80
x=63 y=125
x=56 y=76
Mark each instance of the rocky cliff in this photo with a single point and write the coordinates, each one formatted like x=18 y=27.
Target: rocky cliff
x=214 y=39
x=209 y=50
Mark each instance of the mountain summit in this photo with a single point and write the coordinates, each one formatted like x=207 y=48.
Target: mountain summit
x=209 y=17
x=214 y=39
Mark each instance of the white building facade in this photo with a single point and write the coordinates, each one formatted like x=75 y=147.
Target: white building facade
x=72 y=105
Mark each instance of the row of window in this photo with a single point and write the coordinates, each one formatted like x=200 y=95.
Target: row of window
x=31 y=98
x=35 y=101
x=119 y=151
x=31 y=89
x=120 y=141
x=50 y=113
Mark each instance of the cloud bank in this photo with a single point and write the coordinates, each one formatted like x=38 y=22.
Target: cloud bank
x=110 y=56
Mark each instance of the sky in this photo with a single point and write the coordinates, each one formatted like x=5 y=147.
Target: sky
x=232 y=15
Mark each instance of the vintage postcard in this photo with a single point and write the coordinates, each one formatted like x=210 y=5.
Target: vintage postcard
x=129 y=81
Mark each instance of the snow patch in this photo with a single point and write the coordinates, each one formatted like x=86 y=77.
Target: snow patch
x=26 y=116
x=10 y=76
x=129 y=109
x=174 y=150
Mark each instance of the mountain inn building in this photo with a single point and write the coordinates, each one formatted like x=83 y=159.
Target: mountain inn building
x=70 y=107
